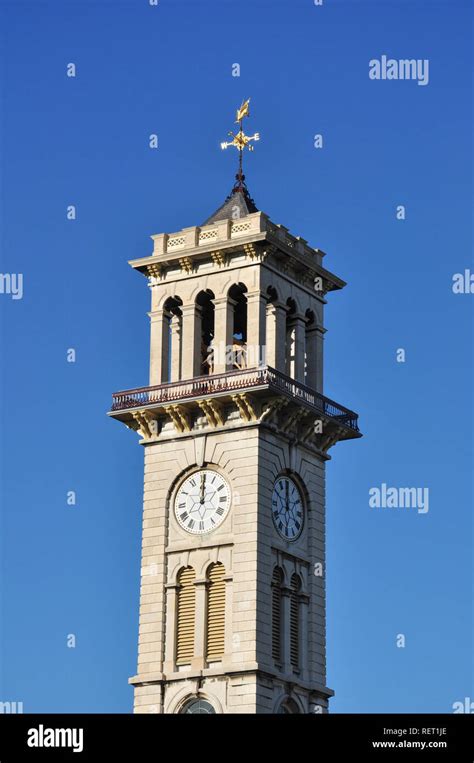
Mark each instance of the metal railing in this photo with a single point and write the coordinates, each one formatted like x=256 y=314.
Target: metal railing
x=232 y=381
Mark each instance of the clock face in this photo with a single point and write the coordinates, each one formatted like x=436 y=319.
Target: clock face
x=287 y=509
x=202 y=502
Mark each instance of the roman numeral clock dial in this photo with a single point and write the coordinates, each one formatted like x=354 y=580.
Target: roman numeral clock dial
x=287 y=509
x=202 y=502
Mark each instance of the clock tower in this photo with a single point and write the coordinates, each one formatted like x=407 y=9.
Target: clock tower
x=236 y=432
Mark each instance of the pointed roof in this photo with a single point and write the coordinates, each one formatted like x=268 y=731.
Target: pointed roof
x=238 y=199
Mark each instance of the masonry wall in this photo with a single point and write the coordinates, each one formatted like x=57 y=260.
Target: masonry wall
x=251 y=458
x=278 y=456
x=166 y=547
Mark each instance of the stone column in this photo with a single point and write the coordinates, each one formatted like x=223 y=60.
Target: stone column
x=303 y=602
x=276 y=336
x=229 y=647
x=159 y=347
x=170 y=635
x=223 y=332
x=285 y=629
x=319 y=360
x=256 y=329
x=191 y=341
x=175 y=344
x=199 y=659
x=299 y=328
x=311 y=356
x=289 y=367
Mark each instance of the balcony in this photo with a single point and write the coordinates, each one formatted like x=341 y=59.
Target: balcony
x=231 y=383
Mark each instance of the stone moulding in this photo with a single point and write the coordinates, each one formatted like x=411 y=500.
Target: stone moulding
x=255 y=235
x=254 y=396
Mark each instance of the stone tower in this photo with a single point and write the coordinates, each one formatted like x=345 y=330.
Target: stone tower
x=236 y=432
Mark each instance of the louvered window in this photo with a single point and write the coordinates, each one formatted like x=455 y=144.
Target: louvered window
x=215 y=612
x=295 y=621
x=277 y=579
x=186 y=616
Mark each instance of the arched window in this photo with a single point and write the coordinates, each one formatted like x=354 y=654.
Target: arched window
x=272 y=294
x=290 y=349
x=198 y=706
x=239 y=332
x=186 y=612
x=206 y=306
x=288 y=707
x=277 y=581
x=275 y=331
x=172 y=339
x=215 y=625
x=310 y=350
x=295 y=625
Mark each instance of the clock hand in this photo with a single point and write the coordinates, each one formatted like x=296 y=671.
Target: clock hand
x=203 y=482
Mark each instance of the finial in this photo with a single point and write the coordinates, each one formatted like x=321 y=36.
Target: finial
x=241 y=141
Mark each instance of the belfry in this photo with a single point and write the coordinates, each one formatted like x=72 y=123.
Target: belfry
x=236 y=432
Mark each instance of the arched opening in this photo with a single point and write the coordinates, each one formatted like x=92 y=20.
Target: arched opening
x=239 y=329
x=290 y=338
x=198 y=706
x=275 y=331
x=309 y=360
x=289 y=707
x=215 y=614
x=173 y=316
x=295 y=624
x=272 y=294
x=206 y=306
x=276 y=584
x=186 y=612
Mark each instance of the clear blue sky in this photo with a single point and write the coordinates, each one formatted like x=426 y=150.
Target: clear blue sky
x=84 y=141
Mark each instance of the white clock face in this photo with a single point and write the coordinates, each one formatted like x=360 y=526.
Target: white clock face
x=202 y=502
x=287 y=509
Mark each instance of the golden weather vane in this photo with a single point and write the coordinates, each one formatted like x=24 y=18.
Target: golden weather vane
x=241 y=141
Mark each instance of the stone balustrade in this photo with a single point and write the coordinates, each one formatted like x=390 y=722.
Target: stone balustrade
x=225 y=231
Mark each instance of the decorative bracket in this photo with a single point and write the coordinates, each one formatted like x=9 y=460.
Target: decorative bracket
x=246 y=406
x=312 y=429
x=180 y=417
x=268 y=251
x=186 y=264
x=219 y=259
x=145 y=423
x=213 y=411
x=293 y=419
x=154 y=270
x=273 y=407
x=330 y=439
x=251 y=251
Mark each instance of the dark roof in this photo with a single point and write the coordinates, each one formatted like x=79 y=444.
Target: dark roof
x=238 y=204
